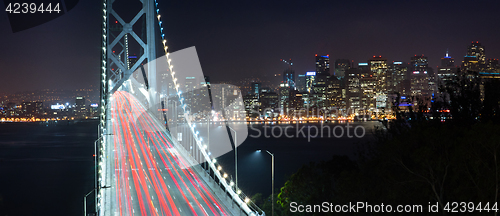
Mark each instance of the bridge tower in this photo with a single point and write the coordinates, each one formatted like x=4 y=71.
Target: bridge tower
x=116 y=69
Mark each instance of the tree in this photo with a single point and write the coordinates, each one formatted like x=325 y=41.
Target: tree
x=491 y=103
x=313 y=183
x=465 y=96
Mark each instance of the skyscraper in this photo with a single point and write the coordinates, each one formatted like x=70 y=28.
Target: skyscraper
x=447 y=71
x=367 y=83
x=320 y=80
x=398 y=80
x=205 y=93
x=131 y=61
x=310 y=80
x=301 y=83
x=191 y=84
x=190 y=87
x=378 y=67
x=334 y=92
x=475 y=60
x=289 y=77
x=447 y=61
x=476 y=50
x=255 y=89
x=284 y=98
x=353 y=88
x=341 y=66
x=419 y=77
x=269 y=103
x=322 y=65
x=80 y=110
x=492 y=64
x=470 y=63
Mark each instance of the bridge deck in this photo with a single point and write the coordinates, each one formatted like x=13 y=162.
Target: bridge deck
x=150 y=176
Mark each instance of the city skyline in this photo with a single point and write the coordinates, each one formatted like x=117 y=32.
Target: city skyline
x=262 y=33
x=421 y=79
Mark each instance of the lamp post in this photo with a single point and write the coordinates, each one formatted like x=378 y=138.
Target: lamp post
x=85 y=201
x=235 y=156
x=272 y=193
x=96 y=167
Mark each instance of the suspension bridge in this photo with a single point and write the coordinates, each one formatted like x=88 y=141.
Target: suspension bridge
x=161 y=128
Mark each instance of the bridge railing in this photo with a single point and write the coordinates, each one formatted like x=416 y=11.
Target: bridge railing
x=216 y=173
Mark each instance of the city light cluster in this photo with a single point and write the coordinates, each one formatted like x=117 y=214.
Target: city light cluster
x=376 y=88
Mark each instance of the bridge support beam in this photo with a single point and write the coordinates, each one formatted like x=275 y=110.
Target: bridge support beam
x=115 y=71
x=149 y=7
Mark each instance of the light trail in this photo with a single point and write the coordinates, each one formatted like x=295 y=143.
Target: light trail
x=149 y=177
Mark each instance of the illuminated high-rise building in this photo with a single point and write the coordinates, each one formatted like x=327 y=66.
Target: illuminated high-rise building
x=475 y=60
x=353 y=88
x=447 y=61
x=322 y=65
x=477 y=50
x=296 y=102
x=301 y=83
x=419 y=69
x=269 y=102
x=397 y=79
x=132 y=59
x=255 y=88
x=287 y=90
x=492 y=64
x=80 y=109
x=368 y=85
x=470 y=63
x=341 y=66
x=378 y=67
x=284 y=98
x=310 y=80
x=289 y=77
x=447 y=71
x=320 y=81
x=191 y=84
x=334 y=93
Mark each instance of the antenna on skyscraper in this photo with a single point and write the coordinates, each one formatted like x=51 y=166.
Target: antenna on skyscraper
x=289 y=62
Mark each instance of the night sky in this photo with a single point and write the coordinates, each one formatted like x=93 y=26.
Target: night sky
x=237 y=39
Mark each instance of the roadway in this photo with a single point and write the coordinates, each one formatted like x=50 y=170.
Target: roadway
x=150 y=176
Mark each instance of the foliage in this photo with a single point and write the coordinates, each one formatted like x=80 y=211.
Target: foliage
x=313 y=183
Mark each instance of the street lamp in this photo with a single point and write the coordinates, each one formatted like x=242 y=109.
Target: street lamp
x=96 y=167
x=235 y=155
x=85 y=201
x=272 y=193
